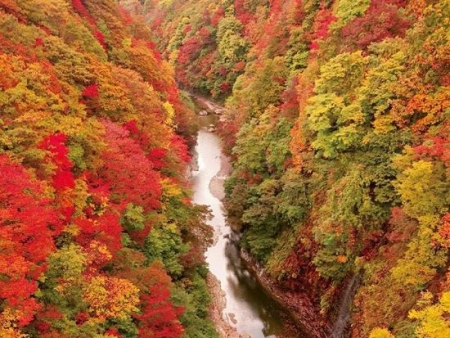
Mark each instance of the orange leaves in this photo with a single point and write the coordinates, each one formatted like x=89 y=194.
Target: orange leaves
x=430 y=108
x=68 y=176
x=8 y=325
x=444 y=231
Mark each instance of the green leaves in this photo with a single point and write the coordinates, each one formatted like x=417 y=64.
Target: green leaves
x=348 y=10
x=422 y=188
x=165 y=244
x=232 y=47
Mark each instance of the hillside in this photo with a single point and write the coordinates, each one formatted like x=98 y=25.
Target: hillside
x=98 y=237
x=338 y=127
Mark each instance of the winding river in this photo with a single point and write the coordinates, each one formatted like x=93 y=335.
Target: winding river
x=248 y=308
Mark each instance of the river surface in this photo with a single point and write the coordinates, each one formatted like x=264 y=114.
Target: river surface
x=248 y=308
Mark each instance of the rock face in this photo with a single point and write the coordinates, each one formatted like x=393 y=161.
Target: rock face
x=301 y=308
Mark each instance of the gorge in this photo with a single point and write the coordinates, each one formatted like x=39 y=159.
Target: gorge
x=335 y=213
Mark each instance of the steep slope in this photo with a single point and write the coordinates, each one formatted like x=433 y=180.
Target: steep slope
x=97 y=234
x=338 y=126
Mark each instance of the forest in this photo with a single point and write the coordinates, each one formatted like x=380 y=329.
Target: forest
x=98 y=237
x=337 y=125
x=338 y=129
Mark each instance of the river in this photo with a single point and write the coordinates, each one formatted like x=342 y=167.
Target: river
x=248 y=308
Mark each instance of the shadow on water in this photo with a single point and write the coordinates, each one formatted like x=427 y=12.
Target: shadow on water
x=245 y=288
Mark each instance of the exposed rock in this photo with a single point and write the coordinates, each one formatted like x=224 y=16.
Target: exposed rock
x=218 y=304
x=305 y=313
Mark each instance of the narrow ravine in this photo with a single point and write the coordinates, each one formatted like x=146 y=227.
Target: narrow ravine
x=248 y=308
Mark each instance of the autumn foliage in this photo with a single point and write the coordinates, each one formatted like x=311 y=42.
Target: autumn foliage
x=337 y=125
x=92 y=141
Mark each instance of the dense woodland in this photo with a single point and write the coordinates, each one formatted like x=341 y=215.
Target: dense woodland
x=98 y=237
x=338 y=128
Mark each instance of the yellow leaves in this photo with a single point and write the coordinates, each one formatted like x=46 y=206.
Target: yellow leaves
x=421 y=188
x=170 y=189
x=165 y=3
x=380 y=333
x=410 y=272
x=170 y=113
x=383 y=124
x=80 y=194
x=433 y=321
x=445 y=301
x=110 y=297
x=126 y=43
x=8 y=326
x=342 y=74
x=173 y=57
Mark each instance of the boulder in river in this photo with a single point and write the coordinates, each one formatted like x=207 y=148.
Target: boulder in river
x=203 y=113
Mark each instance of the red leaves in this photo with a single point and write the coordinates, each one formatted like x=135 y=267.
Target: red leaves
x=178 y=144
x=225 y=87
x=25 y=238
x=159 y=318
x=63 y=177
x=101 y=39
x=105 y=229
x=321 y=27
x=189 y=50
x=90 y=91
x=79 y=7
x=217 y=16
x=156 y=157
x=39 y=42
x=444 y=231
x=128 y=171
x=381 y=20
x=435 y=148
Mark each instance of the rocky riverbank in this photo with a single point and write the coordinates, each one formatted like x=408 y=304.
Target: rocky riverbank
x=300 y=307
x=223 y=327
x=302 y=311
x=217 y=307
x=216 y=186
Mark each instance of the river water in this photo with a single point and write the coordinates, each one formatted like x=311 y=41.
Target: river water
x=248 y=308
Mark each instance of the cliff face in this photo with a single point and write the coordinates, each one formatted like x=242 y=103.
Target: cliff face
x=338 y=131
